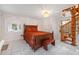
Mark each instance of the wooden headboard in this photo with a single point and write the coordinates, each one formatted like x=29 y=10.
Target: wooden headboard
x=30 y=28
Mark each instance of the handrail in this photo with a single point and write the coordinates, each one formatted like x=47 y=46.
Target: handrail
x=70 y=21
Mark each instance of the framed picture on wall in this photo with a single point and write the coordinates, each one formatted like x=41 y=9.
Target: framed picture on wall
x=14 y=27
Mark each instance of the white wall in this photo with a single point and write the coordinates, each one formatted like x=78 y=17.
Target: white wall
x=56 y=25
x=0 y=26
x=46 y=24
x=9 y=19
x=53 y=24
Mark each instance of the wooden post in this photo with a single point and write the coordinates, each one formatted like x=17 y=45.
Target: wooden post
x=62 y=33
x=78 y=19
x=73 y=25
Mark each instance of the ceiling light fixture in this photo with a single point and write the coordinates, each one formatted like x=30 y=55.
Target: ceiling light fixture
x=45 y=13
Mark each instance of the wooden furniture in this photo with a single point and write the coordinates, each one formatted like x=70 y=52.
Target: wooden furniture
x=47 y=42
x=34 y=37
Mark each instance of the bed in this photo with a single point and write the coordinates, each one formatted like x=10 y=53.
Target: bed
x=34 y=37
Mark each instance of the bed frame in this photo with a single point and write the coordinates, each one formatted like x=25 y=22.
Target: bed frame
x=36 y=41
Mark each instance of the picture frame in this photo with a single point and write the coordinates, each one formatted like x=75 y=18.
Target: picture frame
x=14 y=27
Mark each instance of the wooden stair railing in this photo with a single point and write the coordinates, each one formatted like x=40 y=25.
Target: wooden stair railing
x=73 y=10
x=70 y=22
x=65 y=26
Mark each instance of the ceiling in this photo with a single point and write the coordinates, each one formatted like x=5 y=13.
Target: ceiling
x=32 y=10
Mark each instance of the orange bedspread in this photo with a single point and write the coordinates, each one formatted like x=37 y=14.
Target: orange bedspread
x=35 y=38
